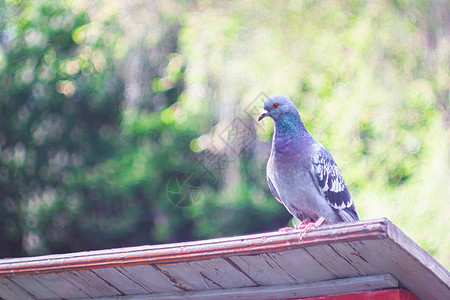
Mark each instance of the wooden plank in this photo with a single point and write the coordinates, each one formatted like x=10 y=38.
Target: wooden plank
x=90 y=283
x=263 y=269
x=391 y=294
x=351 y=254
x=150 y=277
x=382 y=255
x=34 y=287
x=390 y=257
x=332 y=261
x=335 y=286
x=60 y=286
x=417 y=253
x=121 y=282
x=11 y=291
x=214 y=273
x=301 y=265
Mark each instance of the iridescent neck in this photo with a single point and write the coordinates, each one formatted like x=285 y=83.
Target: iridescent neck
x=290 y=134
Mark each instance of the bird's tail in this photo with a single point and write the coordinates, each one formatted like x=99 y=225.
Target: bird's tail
x=348 y=214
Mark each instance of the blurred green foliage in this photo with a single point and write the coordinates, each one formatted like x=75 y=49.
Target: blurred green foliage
x=132 y=122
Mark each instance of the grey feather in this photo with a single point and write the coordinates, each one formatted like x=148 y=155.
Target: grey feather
x=273 y=190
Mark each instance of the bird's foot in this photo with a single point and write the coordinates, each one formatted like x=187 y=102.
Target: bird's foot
x=285 y=229
x=299 y=226
x=311 y=225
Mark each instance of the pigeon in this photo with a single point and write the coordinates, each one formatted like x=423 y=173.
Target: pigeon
x=301 y=173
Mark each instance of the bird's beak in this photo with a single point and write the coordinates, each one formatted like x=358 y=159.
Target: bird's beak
x=264 y=114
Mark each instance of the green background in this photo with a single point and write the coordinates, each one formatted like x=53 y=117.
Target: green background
x=133 y=122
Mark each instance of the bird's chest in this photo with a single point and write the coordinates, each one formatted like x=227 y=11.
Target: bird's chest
x=292 y=177
x=296 y=188
x=283 y=144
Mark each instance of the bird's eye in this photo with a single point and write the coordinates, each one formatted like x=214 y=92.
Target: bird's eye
x=275 y=105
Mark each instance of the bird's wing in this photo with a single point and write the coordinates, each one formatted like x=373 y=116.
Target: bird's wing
x=273 y=190
x=330 y=183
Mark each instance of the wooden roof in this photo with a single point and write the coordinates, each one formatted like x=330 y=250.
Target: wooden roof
x=341 y=258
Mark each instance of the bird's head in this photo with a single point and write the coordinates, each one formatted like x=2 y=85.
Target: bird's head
x=278 y=106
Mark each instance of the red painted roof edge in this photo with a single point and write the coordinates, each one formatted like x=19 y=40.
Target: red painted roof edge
x=197 y=250
x=389 y=294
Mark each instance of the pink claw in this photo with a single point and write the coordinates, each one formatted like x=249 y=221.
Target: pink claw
x=311 y=225
x=301 y=225
x=305 y=226
x=285 y=229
